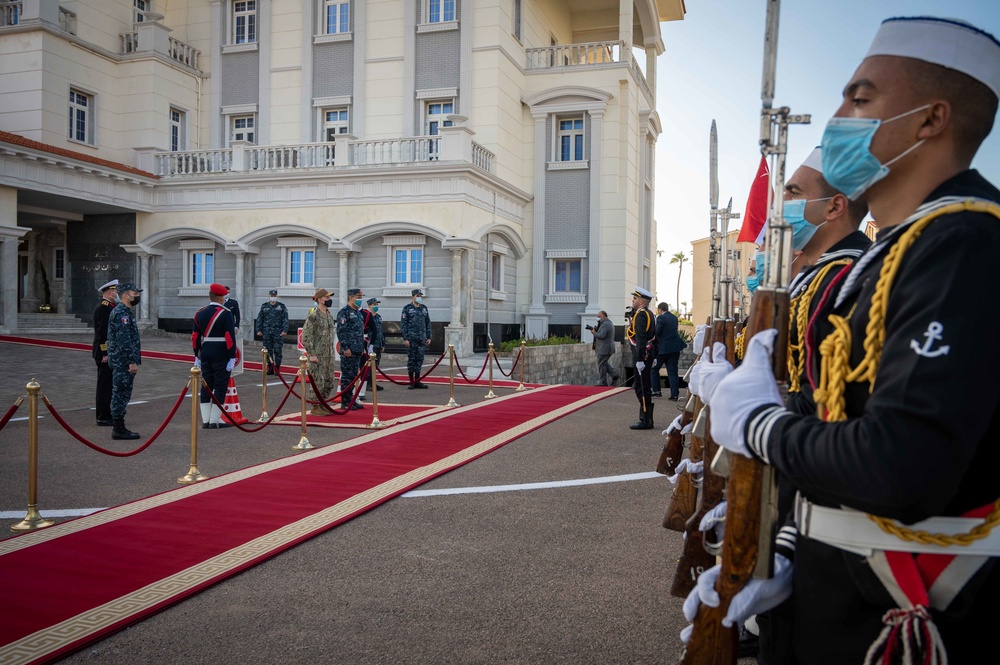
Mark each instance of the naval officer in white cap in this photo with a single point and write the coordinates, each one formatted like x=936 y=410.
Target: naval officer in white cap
x=109 y=298
x=640 y=335
x=895 y=555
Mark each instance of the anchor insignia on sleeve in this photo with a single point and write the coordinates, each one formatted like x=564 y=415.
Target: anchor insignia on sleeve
x=933 y=334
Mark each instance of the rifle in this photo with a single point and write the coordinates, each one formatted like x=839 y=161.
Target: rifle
x=673 y=449
x=751 y=489
x=684 y=499
x=698 y=555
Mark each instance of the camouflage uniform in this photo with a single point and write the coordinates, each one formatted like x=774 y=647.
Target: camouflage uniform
x=317 y=338
x=272 y=324
x=123 y=349
x=350 y=335
x=416 y=328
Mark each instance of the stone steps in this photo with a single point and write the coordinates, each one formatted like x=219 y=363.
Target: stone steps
x=41 y=324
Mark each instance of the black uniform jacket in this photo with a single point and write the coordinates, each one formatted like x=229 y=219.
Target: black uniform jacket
x=643 y=329
x=101 y=316
x=217 y=322
x=924 y=442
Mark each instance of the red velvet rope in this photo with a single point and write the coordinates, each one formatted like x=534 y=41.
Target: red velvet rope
x=314 y=401
x=94 y=446
x=10 y=412
x=459 y=366
x=512 y=367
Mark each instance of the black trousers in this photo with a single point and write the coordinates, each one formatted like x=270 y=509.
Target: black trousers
x=643 y=387
x=103 y=391
x=213 y=370
x=669 y=360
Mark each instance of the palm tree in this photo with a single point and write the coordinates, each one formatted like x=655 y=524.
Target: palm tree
x=679 y=258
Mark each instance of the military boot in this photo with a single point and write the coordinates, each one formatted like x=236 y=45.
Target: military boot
x=119 y=431
x=649 y=415
x=644 y=421
x=412 y=381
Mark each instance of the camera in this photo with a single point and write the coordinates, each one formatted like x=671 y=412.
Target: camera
x=589 y=327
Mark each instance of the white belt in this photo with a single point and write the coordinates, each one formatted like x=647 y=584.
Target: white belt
x=213 y=339
x=854 y=531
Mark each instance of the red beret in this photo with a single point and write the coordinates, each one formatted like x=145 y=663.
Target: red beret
x=217 y=290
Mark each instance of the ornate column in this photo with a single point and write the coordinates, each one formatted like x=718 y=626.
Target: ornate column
x=457 y=332
x=10 y=236
x=239 y=291
x=536 y=321
x=145 y=321
x=594 y=249
x=343 y=286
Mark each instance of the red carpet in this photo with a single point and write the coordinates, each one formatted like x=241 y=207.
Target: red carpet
x=67 y=586
x=388 y=414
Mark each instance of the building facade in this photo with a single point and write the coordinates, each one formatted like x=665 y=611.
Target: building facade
x=740 y=255
x=498 y=154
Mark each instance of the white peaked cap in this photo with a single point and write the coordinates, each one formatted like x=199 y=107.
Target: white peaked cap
x=815 y=160
x=950 y=43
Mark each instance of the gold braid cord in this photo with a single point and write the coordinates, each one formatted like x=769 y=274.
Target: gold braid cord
x=836 y=371
x=799 y=320
x=741 y=343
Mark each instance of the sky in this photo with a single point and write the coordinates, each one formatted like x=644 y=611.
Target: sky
x=711 y=69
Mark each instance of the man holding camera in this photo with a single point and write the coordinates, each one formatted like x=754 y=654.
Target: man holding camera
x=604 y=345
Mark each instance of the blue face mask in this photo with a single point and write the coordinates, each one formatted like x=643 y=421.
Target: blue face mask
x=418 y=300
x=794 y=213
x=759 y=264
x=752 y=283
x=848 y=164
x=357 y=302
x=374 y=308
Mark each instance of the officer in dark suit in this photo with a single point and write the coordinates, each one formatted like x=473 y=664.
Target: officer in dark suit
x=109 y=298
x=668 y=351
x=233 y=306
x=214 y=343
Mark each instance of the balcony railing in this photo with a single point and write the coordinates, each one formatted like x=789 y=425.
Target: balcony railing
x=146 y=40
x=591 y=54
x=10 y=13
x=311 y=156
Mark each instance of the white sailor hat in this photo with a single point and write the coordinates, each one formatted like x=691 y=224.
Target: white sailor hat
x=815 y=160
x=113 y=284
x=642 y=293
x=946 y=42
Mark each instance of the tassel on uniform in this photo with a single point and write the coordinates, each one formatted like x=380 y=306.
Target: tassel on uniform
x=909 y=638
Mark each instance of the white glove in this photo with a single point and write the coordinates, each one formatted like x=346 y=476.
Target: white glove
x=197 y=363
x=756 y=597
x=747 y=388
x=706 y=375
x=715 y=520
x=674 y=427
x=371 y=349
x=653 y=363
x=639 y=366
x=699 y=339
x=694 y=468
x=230 y=364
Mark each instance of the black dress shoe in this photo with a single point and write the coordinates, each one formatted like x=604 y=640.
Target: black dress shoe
x=105 y=422
x=270 y=371
x=657 y=394
x=642 y=424
x=222 y=425
x=357 y=406
x=208 y=426
x=418 y=384
x=672 y=398
x=377 y=387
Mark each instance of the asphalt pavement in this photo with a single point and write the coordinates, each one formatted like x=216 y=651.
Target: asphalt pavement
x=577 y=573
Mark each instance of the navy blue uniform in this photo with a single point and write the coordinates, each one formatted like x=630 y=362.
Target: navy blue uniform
x=350 y=335
x=641 y=335
x=123 y=350
x=214 y=343
x=416 y=328
x=272 y=325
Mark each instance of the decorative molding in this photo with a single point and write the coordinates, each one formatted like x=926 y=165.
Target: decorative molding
x=297 y=291
x=338 y=37
x=565 y=253
x=565 y=298
x=499 y=248
x=395 y=291
x=497 y=295
x=437 y=27
x=437 y=93
x=342 y=100
x=573 y=165
x=239 y=108
x=195 y=244
x=201 y=290
x=239 y=48
x=296 y=241
x=400 y=241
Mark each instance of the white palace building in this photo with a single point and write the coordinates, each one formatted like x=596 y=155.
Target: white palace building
x=498 y=154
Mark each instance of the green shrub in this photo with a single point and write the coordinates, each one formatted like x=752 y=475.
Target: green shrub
x=544 y=341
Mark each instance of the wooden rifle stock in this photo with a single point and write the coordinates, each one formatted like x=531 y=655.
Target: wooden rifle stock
x=684 y=499
x=673 y=449
x=696 y=558
x=747 y=549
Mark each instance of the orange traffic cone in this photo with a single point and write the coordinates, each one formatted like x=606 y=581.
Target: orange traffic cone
x=232 y=404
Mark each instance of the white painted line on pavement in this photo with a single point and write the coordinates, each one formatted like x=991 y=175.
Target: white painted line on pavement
x=535 y=486
x=24 y=418
x=68 y=512
x=142 y=401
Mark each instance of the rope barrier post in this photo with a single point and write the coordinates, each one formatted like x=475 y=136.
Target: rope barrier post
x=375 y=423
x=263 y=386
x=451 y=376
x=32 y=520
x=490 y=355
x=520 y=356
x=193 y=474
x=303 y=443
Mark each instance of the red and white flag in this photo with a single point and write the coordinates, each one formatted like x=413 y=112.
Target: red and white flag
x=756 y=213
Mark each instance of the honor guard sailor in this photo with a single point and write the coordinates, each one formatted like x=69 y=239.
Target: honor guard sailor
x=895 y=545
x=214 y=344
x=641 y=337
x=109 y=298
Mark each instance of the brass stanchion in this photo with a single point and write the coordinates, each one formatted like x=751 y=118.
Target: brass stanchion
x=451 y=376
x=303 y=443
x=521 y=356
x=263 y=386
x=32 y=520
x=193 y=474
x=375 y=423
x=489 y=359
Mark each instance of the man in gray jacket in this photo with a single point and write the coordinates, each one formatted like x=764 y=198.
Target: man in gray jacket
x=604 y=344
